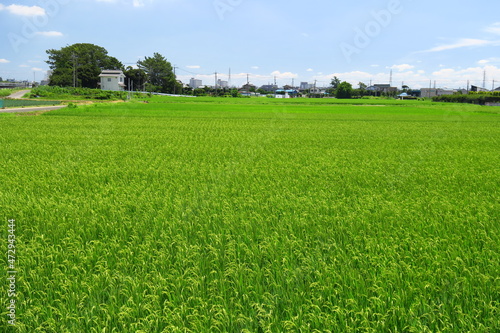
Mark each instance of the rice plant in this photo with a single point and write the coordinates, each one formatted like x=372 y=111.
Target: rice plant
x=215 y=215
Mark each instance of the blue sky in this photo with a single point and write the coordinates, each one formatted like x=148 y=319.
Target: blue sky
x=423 y=41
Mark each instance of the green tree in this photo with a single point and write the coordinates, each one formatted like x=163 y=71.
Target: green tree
x=335 y=82
x=161 y=77
x=79 y=65
x=344 y=90
x=137 y=78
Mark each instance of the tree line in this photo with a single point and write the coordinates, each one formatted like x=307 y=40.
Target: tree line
x=79 y=65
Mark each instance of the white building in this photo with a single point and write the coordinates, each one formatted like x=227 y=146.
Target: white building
x=194 y=83
x=112 y=80
x=222 y=84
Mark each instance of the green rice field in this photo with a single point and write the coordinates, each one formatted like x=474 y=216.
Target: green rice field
x=252 y=215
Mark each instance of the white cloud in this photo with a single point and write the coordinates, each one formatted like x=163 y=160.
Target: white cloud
x=494 y=28
x=24 y=66
x=310 y=70
x=193 y=67
x=464 y=42
x=4 y=61
x=135 y=3
x=452 y=76
x=36 y=69
x=255 y=67
x=49 y=33
x=285 y=75
x=403 y=67
x=488 y=61
x=24 y=10
x=138 y=3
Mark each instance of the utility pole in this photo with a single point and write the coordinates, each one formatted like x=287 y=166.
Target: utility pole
x=175 y=79
x=293 y=82
x=390 y=79
x=215 y=83
x=74 y=70
x=484 y=80
x=468 y=86
x=248 y=80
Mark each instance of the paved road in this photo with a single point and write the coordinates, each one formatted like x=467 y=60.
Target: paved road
x=31 y=109
x=18 y=94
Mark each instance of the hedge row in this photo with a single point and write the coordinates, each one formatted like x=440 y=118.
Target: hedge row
x=85 y=93
x=472 y=98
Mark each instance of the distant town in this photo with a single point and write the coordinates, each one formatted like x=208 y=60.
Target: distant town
x=114 y=80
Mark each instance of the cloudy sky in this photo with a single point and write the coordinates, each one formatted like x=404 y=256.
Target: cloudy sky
x=449 y=42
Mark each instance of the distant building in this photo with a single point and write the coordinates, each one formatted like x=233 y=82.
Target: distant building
x=286 y=93
x=113 y=80
x=382 y=88
x=222 y=84
x=305 y=86
x=476 y=88
x=269 y=87
x=433 y=92
x=248 y=87
x=194 y=83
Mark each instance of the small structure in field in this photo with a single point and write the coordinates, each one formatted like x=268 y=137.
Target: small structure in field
x=113 y=80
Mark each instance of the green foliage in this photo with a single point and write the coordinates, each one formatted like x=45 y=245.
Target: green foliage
x=161 y=77
x=5 y=92
x=480 y=98
x=53 y=92
x=85 y=61
x=137 y=77
x=254 y=215
x=344 y=90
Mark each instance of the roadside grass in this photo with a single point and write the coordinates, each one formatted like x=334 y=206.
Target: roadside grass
x=250 y=215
